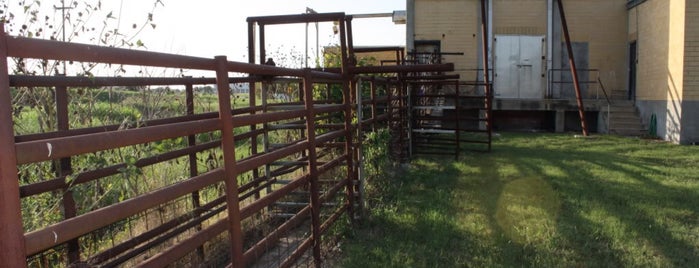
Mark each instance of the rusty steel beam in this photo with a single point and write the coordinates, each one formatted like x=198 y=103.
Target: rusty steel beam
x=376 y=49
x=253 y=119
x=43 y=150
x=268 y=241
x=47 y=49
x=60 y=182
x=330 y=108
x=192 y=157
x=152 y=233
x=486 y=73
x=64 y=168
x=234 y=226
x=444 y=67
x=84 y=81
x=163 y=238
x=54 y=50
x=336 y=215
x=312 y=169
x=267 y=158
x=66 y=230
x=573 y=69
x=184 y=247
x=12 y=249
x=291 y=260
x=108 y=128
x=300 y=18
x=328 y=136
x=433 y=77
x=272 y=197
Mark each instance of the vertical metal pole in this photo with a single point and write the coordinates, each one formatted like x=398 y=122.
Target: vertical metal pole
x=573 y=69
x=305 y=58
x=360 y=153
x=347 y=102
x=252 y=87
x=349 y=147
x=193 y=170
x=229 y=162
x=251 y=42
x=312 y=167
x=343 y=47
x=64 y=169
x=457 y=107
x=350 y=41
x=373 y=103
x=12 y=249
x=486 y=75
x=263 y=54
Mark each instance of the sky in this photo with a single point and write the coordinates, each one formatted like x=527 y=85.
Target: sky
x=208 y=28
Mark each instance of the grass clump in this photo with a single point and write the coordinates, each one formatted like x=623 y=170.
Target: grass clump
x=542 y=200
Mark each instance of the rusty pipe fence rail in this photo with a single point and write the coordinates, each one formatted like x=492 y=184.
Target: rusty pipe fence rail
x=303 y=183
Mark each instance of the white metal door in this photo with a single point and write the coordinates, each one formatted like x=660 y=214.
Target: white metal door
x=518 y=67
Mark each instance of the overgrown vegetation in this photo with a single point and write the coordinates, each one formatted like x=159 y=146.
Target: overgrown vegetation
x=539 y=200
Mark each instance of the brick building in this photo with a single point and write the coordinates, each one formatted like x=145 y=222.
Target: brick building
x=638 y=61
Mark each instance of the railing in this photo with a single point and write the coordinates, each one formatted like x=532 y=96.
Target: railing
x=560 y=84
x=213 y=192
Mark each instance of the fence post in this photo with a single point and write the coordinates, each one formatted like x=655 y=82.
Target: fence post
x=12 y=249
x=312 y=166
x=64 y=168
x=349 y=147
x=193 y=170
x=229 y=162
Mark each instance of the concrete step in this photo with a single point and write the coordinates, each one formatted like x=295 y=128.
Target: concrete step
x=624 y=119
x=628 y=132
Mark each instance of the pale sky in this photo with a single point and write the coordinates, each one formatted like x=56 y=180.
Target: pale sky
x=207 y=28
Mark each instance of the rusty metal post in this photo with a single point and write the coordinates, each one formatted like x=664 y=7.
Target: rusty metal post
x=252 y=87
x=486 y=74
x=312 y=168
x=12 y=250
x=64 y=168
x=573 y=69
x=262 y=43
x=350 y=41
x=403 y=112
x=349 y=146
x=193 y=170
x=343 y=48
x=228 y=145
x=373 y=103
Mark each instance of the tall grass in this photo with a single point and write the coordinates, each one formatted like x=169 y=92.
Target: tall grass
x=542 y=200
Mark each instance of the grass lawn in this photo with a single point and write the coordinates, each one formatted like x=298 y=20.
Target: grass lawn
x=542 y=200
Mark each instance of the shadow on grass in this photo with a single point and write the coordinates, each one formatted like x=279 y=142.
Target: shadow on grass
x=538 y=200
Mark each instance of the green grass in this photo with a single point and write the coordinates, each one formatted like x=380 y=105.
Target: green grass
x=537 y=200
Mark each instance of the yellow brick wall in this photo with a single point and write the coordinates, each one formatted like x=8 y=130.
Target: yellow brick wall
x=603 y=24
x=691 y=53
x=660 y=34
x=455 y=23
x=520 y=17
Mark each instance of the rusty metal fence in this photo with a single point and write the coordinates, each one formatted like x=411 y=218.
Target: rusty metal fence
x=269 y=208
x=231 y=185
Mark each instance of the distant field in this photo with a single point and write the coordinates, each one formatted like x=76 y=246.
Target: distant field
x=541 y=200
